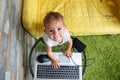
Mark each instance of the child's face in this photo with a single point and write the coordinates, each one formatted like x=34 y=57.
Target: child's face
x=55 y=30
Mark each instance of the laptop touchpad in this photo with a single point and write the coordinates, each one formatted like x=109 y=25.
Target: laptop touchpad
x=63 y=58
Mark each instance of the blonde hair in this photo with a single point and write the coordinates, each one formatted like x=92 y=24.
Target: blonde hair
x=52 y=16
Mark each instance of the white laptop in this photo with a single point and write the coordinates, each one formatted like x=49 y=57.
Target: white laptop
x=70 y=68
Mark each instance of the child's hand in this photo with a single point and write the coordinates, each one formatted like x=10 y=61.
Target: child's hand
x=55 y=64
x=68 y=53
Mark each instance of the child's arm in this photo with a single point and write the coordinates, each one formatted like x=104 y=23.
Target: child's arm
x=68 y=52
x=55 y=61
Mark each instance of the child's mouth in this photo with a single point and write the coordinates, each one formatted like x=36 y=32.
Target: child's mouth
x=57 y=38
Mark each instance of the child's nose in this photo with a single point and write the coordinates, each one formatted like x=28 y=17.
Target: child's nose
x=56 y=33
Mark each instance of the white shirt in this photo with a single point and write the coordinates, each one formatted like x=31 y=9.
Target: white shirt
x=51 y=43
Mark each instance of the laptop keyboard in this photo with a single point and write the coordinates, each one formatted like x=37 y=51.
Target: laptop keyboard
x=64 y=72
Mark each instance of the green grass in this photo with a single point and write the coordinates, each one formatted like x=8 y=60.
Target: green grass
x=105 y=50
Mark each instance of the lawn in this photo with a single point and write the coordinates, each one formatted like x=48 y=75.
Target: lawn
x=105 y=50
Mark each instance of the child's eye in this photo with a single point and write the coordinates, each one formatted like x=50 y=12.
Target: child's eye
x=50 y=30
x=59 y=29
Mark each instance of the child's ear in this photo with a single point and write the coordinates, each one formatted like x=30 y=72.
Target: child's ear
x=65 y=27
x=44 y=30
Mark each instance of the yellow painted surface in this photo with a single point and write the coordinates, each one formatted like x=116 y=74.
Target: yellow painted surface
x=82 y=17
